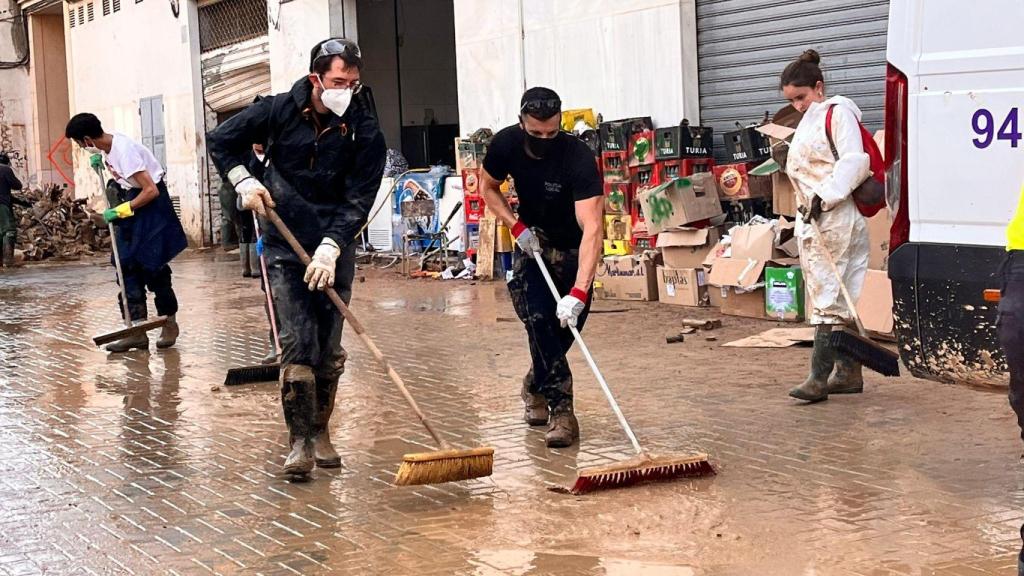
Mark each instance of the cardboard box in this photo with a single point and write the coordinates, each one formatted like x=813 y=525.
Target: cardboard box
x=784 y=293
x=617 y=248
x=746 y=304
x=618 y=227
x=737 y=272
x=616 y=198
x=687 y=247
x=615 y=134
x=783 y=195
x=627 y=278
x=685 y=287
x=878 y=234
x=679 y=202
x=683 y=141
x=641 y=148
x=875 y=303
x=755 y=242
x=614 y=166
x=717 y=295
x=734 y=182
x=747 y=145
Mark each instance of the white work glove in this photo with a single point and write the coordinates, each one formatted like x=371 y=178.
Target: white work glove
x=320 y=272
x=570 y=307
x=526 y=240
x=252 y=195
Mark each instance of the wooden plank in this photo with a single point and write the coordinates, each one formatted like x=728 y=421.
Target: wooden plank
x=485 y=254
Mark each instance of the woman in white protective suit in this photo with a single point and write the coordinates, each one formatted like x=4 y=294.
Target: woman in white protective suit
x=824 y=180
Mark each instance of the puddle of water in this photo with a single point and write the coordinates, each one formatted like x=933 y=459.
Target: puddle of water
x=529 y=563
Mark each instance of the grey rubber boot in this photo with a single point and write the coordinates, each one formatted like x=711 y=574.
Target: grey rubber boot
x=848 y=377
x=137 y=342
x=823 y=359
x=564 y=430
x=535 y=405
x=243 y=257
x=323 y=451
x=298 y=399
x=169 y=333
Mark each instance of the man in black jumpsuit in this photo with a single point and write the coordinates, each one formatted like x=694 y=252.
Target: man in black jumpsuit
x=326 y=155
x=560 y=216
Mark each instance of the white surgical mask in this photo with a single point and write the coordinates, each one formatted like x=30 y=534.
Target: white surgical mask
x=92 y=149
x=260 y=157
x=336 y=99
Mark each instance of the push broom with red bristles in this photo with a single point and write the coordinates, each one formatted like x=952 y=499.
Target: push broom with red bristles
x=644 y=467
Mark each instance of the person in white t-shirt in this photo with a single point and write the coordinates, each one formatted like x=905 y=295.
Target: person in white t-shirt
x=149 y=234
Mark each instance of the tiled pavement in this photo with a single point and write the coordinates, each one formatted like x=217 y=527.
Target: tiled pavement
x=146 y=464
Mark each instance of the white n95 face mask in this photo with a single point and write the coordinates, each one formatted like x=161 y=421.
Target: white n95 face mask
x=336 y=99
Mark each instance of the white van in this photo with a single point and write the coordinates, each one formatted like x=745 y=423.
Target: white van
x=955 y=137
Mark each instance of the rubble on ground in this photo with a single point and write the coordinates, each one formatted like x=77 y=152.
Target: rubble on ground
x=58 y=226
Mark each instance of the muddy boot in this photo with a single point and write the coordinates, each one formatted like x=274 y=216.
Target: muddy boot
x=243 y=257
x=298 y=399
x=169 y=333
x=848 y=377
x=536 y=406
x=137 y=342
x=324 y=453
x=8 y=251
x=254 y=262
x=823 y=359
x=564 y=430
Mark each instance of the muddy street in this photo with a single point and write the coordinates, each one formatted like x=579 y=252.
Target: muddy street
x=145 y=463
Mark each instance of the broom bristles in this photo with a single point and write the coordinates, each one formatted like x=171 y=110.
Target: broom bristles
x=866 y=351
x=252 y=374
x=442 y=466
x=640 y=469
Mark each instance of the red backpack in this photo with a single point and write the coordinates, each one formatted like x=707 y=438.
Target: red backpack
x=870 y=195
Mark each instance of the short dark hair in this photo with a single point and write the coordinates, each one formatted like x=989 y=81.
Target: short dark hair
x=82 y=126
x=5 y=159
x=805 y=71
x=322 y=65
x=540 y=103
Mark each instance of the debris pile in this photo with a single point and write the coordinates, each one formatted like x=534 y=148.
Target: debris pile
x=58 y=226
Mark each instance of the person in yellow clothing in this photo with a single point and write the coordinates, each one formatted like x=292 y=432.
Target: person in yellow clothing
x=1011 y=327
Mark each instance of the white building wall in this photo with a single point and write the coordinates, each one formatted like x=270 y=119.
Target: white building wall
x=296 y=26
x=141 y=51
x=15 y=97
x=622 y=58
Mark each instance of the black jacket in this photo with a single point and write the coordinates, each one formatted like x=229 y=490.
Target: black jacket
x=323 y=177
x=8 y=182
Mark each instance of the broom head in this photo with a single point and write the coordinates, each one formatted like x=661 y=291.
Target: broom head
x=866 y=351
x=443 y=466
x=253 y=374
x=140 y=328
x=642 y=468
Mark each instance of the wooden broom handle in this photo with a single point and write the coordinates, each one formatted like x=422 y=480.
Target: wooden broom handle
x=839 y=278
x=358 y=327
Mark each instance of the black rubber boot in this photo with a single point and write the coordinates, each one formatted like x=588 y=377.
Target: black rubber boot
x=324 y=453
x=169 y=333
x=254 y=262
x=298 y=399
x=243 y=257
x=823 y=359
x=848 y=377
x=564 y=430
x=535 y=405
x=8 y=251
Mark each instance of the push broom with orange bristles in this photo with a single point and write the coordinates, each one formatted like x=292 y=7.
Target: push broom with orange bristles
x=445 y=465
x=644 y=467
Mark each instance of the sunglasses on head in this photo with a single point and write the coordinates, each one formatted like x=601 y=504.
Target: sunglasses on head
x=548 y=107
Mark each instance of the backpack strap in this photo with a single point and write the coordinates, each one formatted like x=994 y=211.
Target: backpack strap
x=828 y=131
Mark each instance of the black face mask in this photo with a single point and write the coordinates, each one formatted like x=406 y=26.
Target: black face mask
x=540 y=147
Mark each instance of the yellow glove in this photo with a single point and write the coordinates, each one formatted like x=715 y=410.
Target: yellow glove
x=123 y=210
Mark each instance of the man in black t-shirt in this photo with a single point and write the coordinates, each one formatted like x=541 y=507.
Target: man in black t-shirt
x=560 y=217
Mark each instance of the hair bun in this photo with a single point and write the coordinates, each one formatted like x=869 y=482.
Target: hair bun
x=811 y=56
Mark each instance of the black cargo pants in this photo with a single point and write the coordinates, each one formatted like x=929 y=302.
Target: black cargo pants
x=1011 y=336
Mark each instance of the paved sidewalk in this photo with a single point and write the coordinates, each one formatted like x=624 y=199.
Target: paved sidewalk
x=145 y=464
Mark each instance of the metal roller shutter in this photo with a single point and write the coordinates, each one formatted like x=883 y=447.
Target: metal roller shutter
x=743 y=45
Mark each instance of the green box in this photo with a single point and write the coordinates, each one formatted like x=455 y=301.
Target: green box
x=784 y=294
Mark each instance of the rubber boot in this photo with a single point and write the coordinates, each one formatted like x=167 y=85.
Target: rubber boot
x=823 y=359
x=535 y=405
x=323 y=450
x=243 y=257
x=254 y=262
x=8 y=251
x=137 y=342
x=298 y=399
x=564 y=430
x=169 y=333
x=848 y=377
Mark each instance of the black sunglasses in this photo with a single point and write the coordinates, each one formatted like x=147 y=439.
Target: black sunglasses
x=338 y=47
x=549 y=106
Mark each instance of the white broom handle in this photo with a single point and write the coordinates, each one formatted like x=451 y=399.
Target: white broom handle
x=590 y=360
